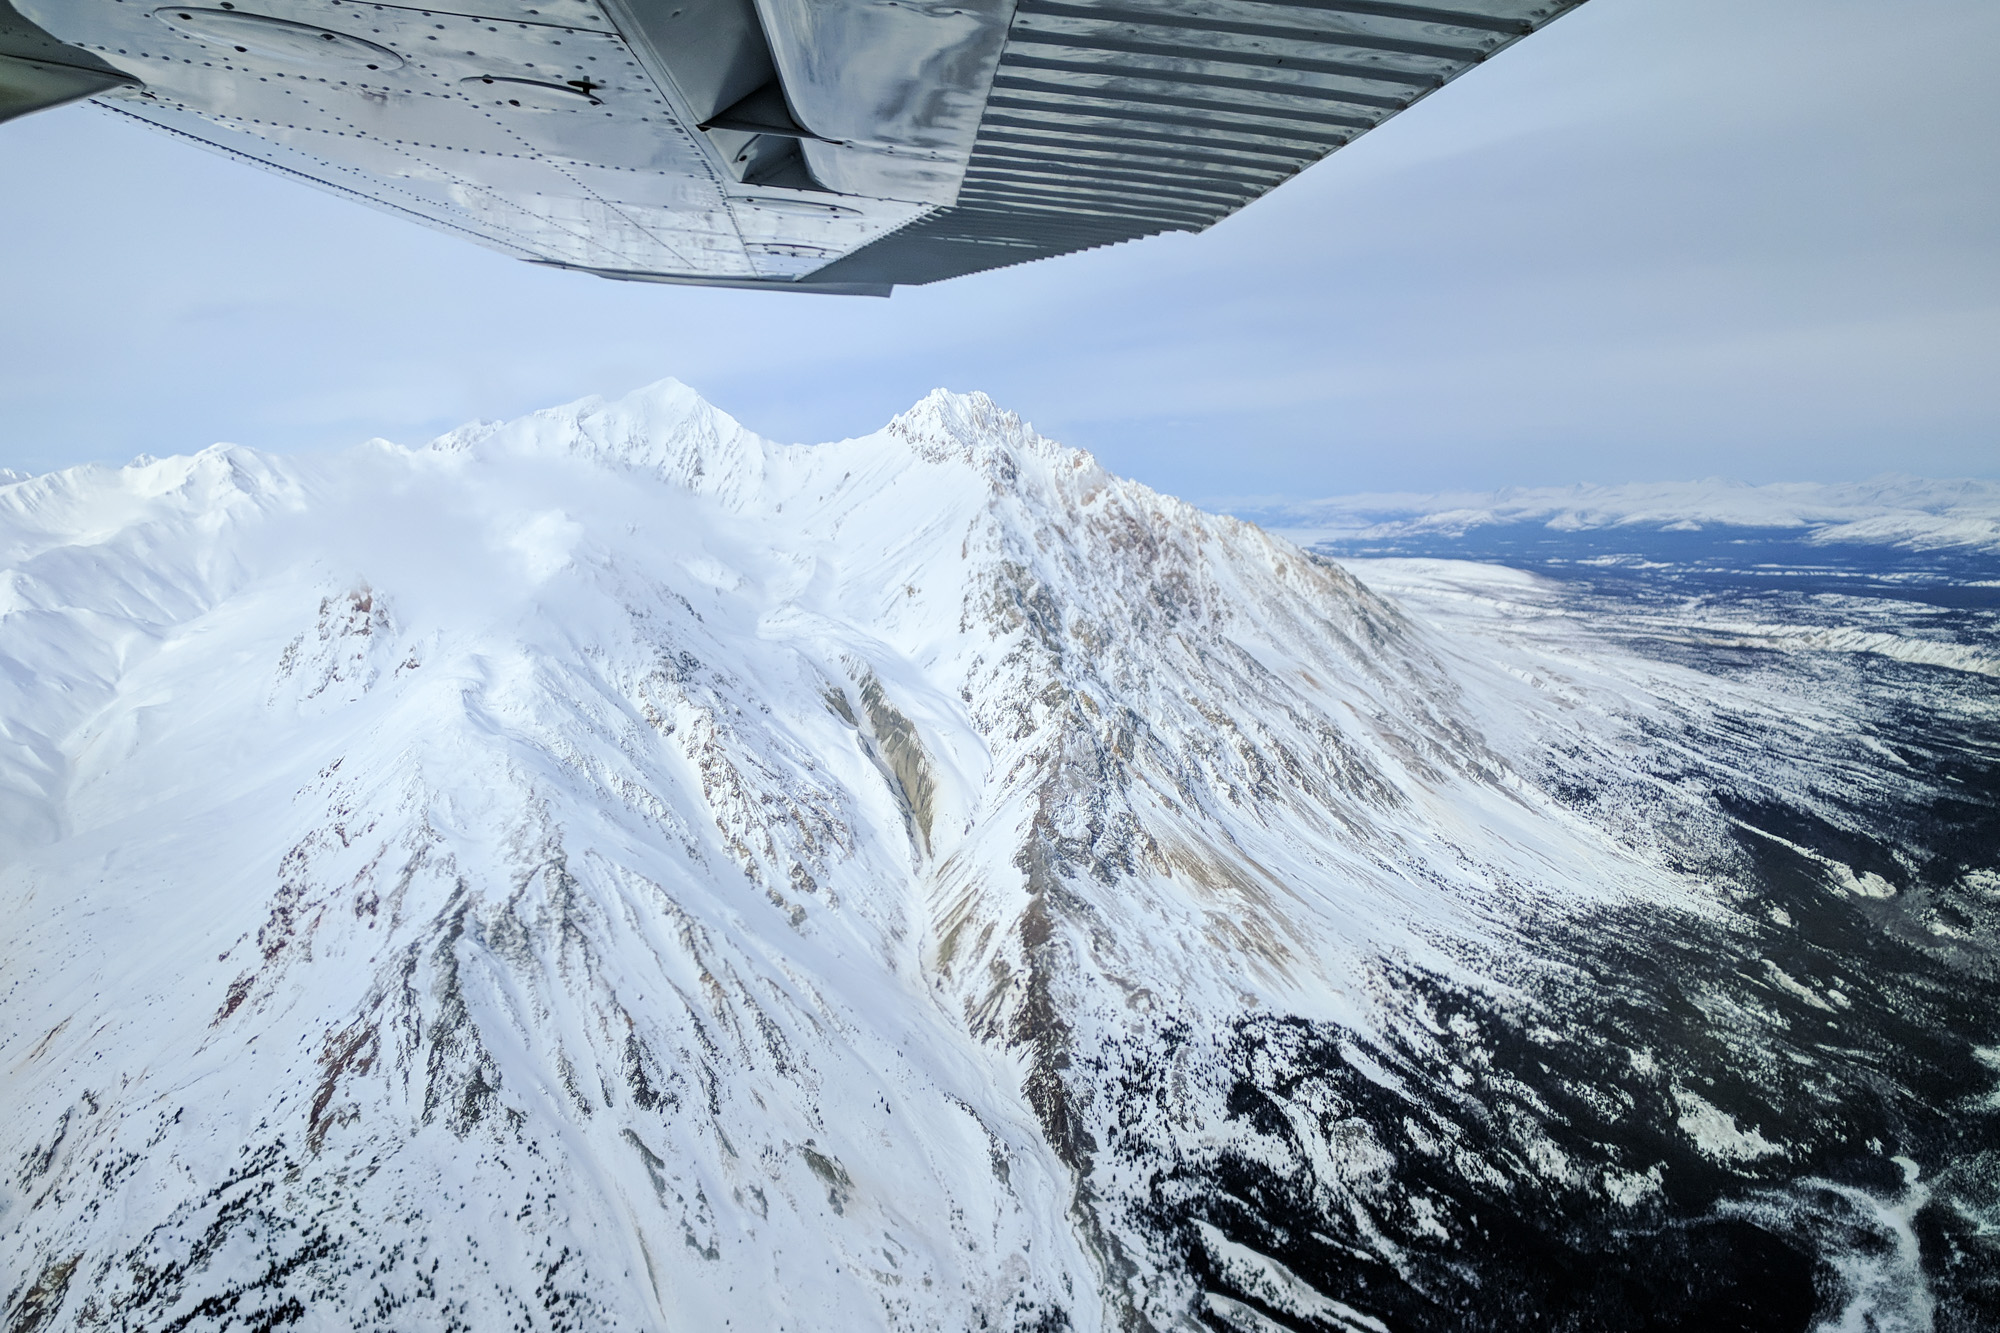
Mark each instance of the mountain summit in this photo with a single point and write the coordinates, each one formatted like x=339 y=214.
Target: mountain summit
x=610 y=871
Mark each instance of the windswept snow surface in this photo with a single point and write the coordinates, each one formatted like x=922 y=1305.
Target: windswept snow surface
x=610 y=871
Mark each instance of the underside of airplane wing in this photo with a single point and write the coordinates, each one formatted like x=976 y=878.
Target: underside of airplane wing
x=808 y=145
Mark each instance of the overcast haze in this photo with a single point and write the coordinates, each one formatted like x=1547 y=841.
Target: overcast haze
x=1661 y=239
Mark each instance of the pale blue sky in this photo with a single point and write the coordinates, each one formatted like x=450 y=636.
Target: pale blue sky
x=1661 y=239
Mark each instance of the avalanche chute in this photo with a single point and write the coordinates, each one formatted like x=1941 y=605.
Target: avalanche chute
x=809 y=145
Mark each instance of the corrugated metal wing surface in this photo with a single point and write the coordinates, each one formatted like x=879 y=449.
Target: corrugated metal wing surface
x=1111 y=120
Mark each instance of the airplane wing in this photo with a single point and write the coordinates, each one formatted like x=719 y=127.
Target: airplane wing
x=840 y=146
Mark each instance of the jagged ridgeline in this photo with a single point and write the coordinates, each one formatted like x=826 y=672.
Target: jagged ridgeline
x=609 y=871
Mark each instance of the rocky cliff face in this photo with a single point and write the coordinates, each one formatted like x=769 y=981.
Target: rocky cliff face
x=610 y=871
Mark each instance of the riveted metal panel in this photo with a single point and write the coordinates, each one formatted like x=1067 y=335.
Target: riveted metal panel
x=831 y=145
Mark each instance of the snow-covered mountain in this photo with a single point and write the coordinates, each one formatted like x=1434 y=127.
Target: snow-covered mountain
x=610 y=871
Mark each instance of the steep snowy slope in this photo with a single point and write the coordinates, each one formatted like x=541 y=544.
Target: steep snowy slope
x=610 y=871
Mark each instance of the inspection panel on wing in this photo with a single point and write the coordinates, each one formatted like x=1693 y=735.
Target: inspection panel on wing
x=815 y=145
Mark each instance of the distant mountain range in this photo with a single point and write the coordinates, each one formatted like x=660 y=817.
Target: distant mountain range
x=609 y=871
x=1910 y=512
